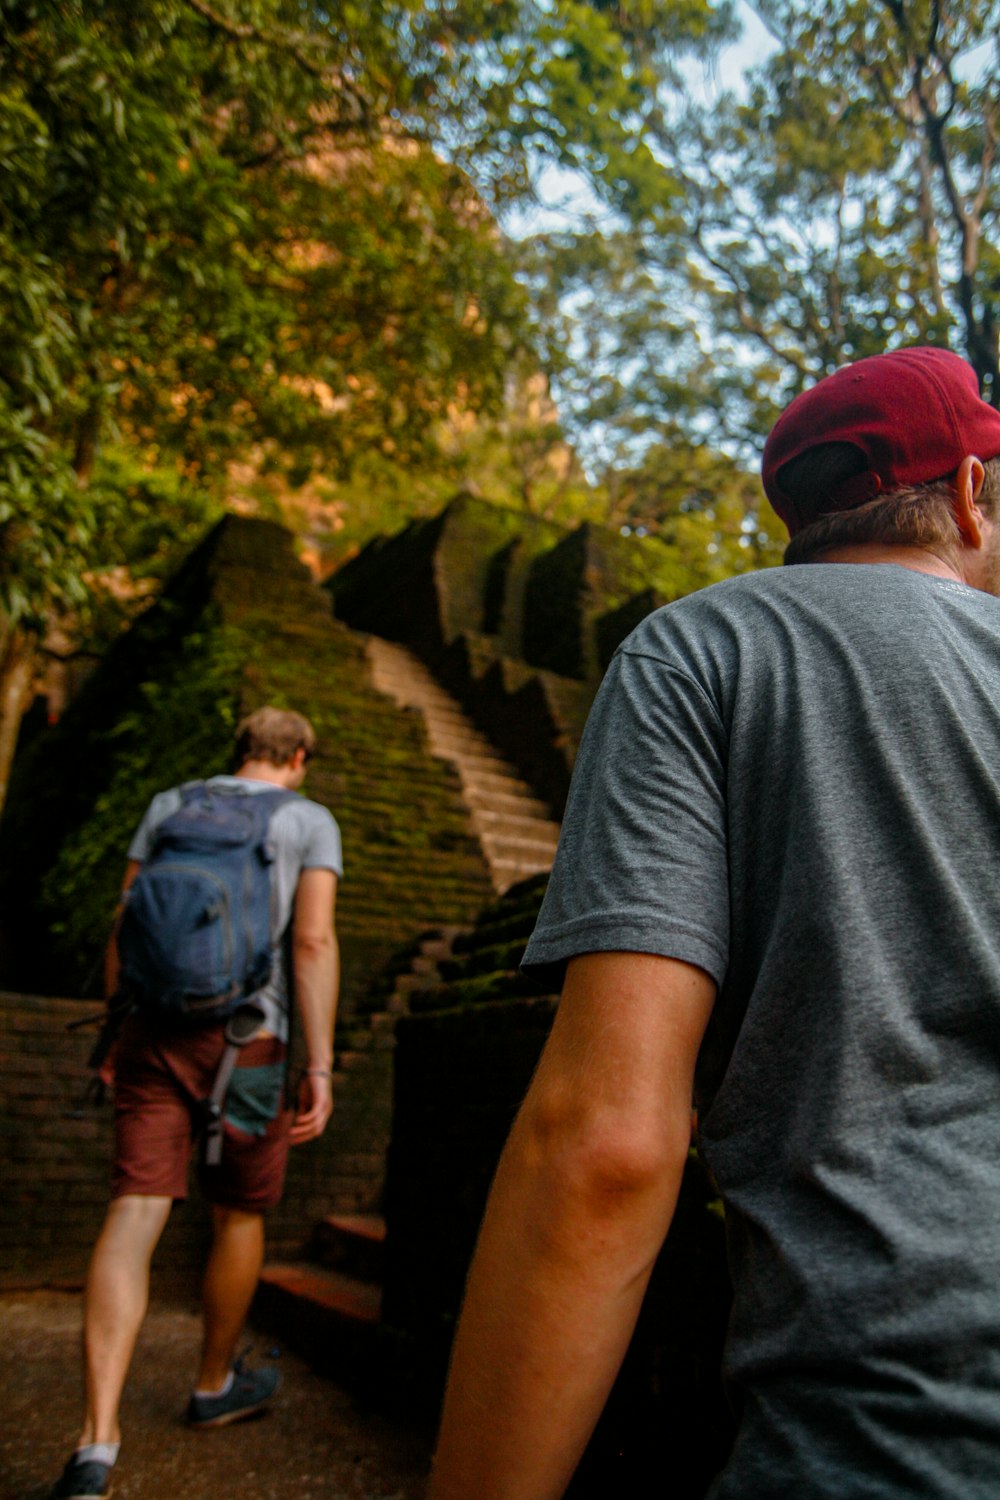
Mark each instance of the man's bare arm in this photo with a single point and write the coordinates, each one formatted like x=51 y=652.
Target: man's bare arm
x=316 y=971
x=582 y=1201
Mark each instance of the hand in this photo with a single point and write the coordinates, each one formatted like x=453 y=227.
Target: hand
x=315 y=1106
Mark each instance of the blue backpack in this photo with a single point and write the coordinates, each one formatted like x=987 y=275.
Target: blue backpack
x=194 y=942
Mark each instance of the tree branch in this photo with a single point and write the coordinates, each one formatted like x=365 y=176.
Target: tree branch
x=293 y=43
x=747 y=321
x=763 y=11
x=986 y=161
x=932 y=234
x=297 y=45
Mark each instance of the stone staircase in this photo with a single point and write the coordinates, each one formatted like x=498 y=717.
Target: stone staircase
x=327 y=1308
x=327 y=1305
x=518 y=836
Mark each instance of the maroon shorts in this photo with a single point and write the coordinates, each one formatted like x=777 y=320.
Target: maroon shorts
x=161 y=1077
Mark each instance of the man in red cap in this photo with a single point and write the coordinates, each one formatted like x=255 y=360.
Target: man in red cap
x=777 y=890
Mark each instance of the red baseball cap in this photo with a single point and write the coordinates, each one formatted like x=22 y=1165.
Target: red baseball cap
x=914 y=414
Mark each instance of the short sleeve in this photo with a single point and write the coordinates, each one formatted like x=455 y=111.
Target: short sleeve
x=642 y=864
x=161 y=807
x=322 y=849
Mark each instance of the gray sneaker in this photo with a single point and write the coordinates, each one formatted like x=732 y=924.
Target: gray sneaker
x=83 y=1479
x=250 y=1390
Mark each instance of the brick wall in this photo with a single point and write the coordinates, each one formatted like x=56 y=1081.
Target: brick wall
x=57 y=1153
x=56 y=1147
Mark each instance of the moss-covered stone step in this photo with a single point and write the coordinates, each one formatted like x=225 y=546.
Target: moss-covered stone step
x=502 y=957
x=456 y=853
x=505 y=783
x=501 y=804
x=470 y=753
x=510 y=871
x=326 y=1317
x=509 y=843
x=505 y=921
x=506 y=824
x=495 y=934
x=514 y=845
x=353 y=1244
x=474 y=990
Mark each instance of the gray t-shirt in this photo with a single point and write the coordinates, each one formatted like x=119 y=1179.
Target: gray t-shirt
x=792 y=779
x=304 y=835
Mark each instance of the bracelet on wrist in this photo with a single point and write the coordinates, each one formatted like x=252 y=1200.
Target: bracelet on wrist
x=323 y=1072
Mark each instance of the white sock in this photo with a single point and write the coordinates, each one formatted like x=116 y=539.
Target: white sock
x=101 y=1453
x=227 y=1385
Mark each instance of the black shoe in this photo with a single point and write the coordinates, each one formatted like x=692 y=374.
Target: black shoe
x=250 y=1390
x=83 y=1479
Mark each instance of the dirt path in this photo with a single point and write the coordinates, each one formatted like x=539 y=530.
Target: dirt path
x=316 y=1441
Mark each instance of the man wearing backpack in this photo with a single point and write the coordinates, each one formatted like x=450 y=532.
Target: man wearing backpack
x=188 y=954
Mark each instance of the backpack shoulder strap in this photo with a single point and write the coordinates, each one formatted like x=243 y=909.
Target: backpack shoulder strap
x=276 y=797
x=266 y=804
x=188 y=791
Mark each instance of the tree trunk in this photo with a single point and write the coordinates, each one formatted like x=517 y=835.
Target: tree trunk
x=17 y=671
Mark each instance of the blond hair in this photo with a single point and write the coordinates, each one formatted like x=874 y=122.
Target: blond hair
x=274 y=734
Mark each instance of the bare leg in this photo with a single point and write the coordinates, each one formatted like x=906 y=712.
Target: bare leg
x=230 y=1282
x=115 y=1304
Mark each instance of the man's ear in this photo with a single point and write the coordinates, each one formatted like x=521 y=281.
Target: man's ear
x=968 y=483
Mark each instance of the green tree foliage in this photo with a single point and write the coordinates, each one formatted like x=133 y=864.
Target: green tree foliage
x=706 y=508
x=262 y=228
x=224 y=225
x=850 y=202
x=172 y=730
x=204 y=247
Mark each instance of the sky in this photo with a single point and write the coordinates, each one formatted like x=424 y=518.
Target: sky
x=752 y=48
x=565 y=198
